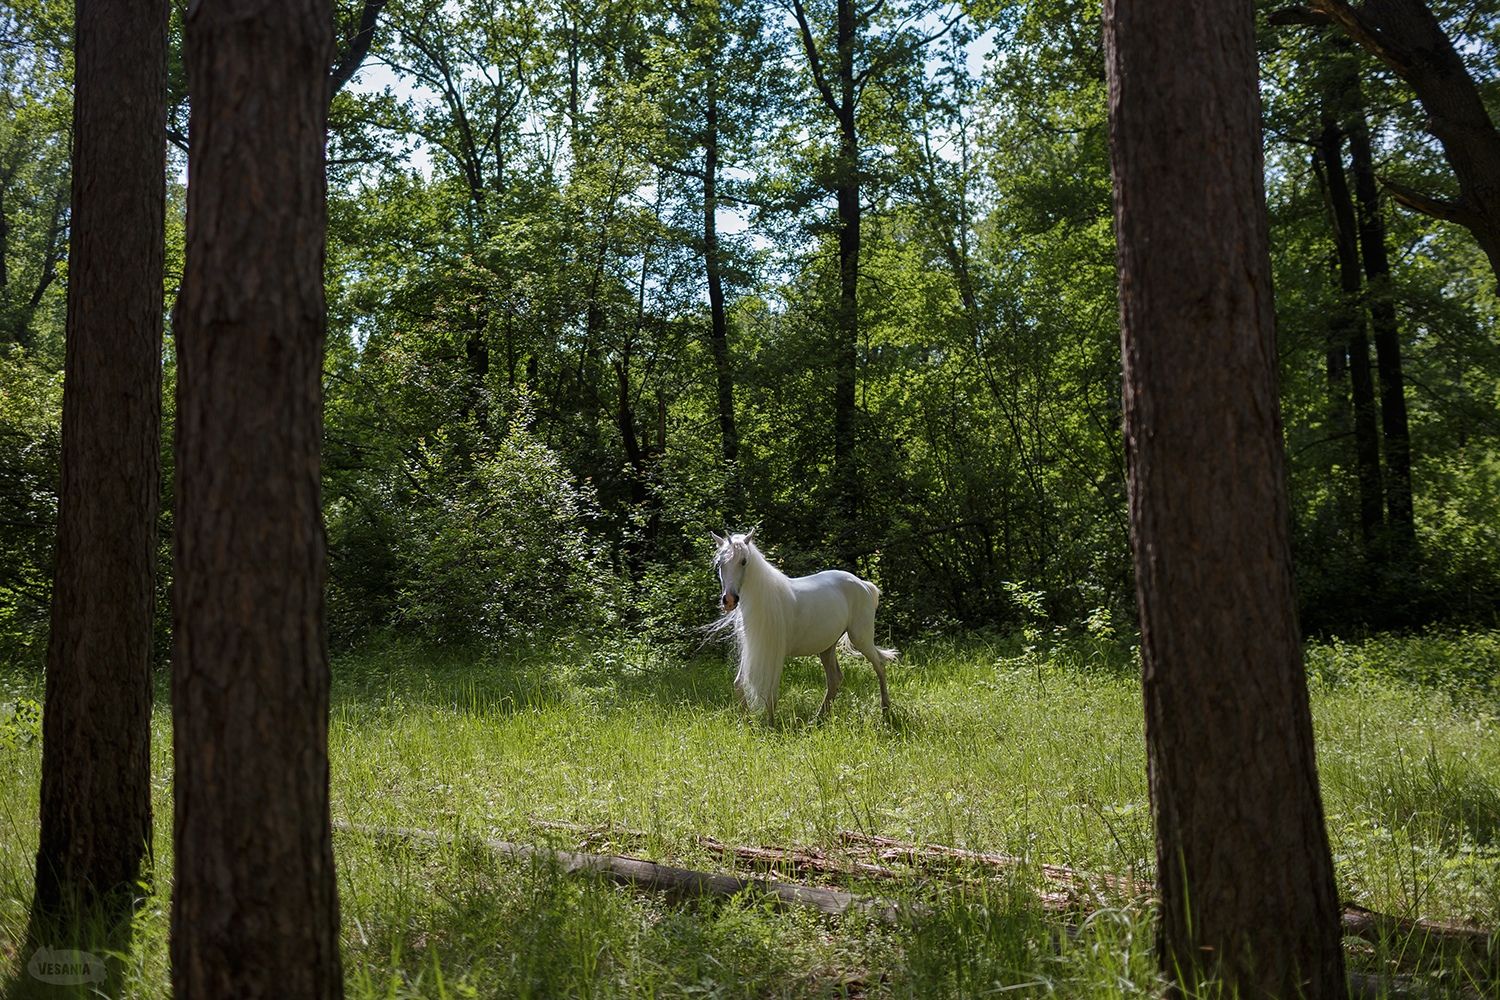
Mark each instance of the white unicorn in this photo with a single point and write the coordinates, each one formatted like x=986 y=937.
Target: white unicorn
x=773 y=617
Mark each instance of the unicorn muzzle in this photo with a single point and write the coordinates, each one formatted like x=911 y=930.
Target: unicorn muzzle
x=730 y=600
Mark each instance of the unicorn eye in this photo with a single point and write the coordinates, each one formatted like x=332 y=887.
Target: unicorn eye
x=742 y=562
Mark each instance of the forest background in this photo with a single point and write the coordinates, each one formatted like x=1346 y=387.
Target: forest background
x=605 y=275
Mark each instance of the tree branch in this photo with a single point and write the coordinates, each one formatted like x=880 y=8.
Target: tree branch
x=1299 y=16
x=880 y=62
x=1438 y=208
x=814 y=62
x=359 y=47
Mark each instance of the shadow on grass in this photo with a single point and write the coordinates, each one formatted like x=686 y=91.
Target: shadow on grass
x=470 y=681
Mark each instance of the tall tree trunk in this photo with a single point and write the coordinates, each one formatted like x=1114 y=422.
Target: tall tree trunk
x=840 y=94
x=1349 y=324
x=4 y=236
x=254 y=911
x=1396 y=433
x=1246 y=878
x=846 y=323
x=718 y=321
x=354 y=49
x=96 y=757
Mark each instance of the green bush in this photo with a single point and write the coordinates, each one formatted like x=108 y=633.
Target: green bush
x=498 y=546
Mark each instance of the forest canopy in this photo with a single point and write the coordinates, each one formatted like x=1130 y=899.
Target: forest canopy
x=604 y=275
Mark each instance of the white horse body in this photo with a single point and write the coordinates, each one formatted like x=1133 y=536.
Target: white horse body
x=822 y=606
x=774 y=616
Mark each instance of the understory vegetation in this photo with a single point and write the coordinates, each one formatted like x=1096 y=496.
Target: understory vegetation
x=584 y=281
x=1026 y=746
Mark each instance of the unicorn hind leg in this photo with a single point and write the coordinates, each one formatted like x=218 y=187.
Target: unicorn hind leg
x=833 y=675
x=862 y=638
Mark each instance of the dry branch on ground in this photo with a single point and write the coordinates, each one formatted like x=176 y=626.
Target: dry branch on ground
x=1417 y=937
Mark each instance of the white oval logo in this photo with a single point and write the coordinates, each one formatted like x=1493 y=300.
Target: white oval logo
x=66 y=966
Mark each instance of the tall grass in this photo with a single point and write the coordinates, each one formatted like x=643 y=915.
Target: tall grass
x=1010 y=746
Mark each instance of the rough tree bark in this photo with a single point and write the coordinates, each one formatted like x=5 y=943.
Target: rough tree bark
x=1408 y=38
x=96 y=757
x=1348 y=323
x=1246 y=879
x=254 y=911
x=846 y=325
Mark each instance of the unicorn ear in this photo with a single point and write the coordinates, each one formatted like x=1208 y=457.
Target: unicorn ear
x=750 y=534
x=717 y=540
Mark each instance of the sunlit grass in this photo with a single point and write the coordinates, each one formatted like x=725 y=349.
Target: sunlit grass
x=991 y=747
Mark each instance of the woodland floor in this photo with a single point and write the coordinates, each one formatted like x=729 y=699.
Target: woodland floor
x=632 y=750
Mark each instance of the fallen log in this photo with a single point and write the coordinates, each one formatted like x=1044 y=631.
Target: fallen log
x=804 y=860
x=641 y=874
x=599 y=833
x=1421 y=936
x=890 y=849
x=638 y=873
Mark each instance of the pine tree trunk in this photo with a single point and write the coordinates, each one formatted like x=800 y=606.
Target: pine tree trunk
x=4 y=235
x=96 y=757
x=254 y=911
x=1246 y=879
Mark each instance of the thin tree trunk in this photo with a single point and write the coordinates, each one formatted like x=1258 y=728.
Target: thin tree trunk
x=476 y=400
x=1396 y=432
x=1349 y=326
x=840 y=94
x=56 y=246
x=846 y=322
x=1246 y=878
x=719 y=323
x=254 y=910
x=4 y=236
x=96 y=757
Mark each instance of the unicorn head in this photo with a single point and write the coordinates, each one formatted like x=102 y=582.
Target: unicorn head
x=730 y=558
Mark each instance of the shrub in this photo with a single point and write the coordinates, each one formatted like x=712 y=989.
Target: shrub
x=495 y=547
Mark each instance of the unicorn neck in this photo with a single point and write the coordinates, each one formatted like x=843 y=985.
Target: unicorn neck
x=761 y=582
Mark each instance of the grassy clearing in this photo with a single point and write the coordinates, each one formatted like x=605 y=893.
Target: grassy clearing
x=992 y=747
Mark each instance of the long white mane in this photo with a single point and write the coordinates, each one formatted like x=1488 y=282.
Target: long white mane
x=759 y=626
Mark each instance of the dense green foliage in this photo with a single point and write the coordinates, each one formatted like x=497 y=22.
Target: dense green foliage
x=524 y=406
x=1027 y=747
